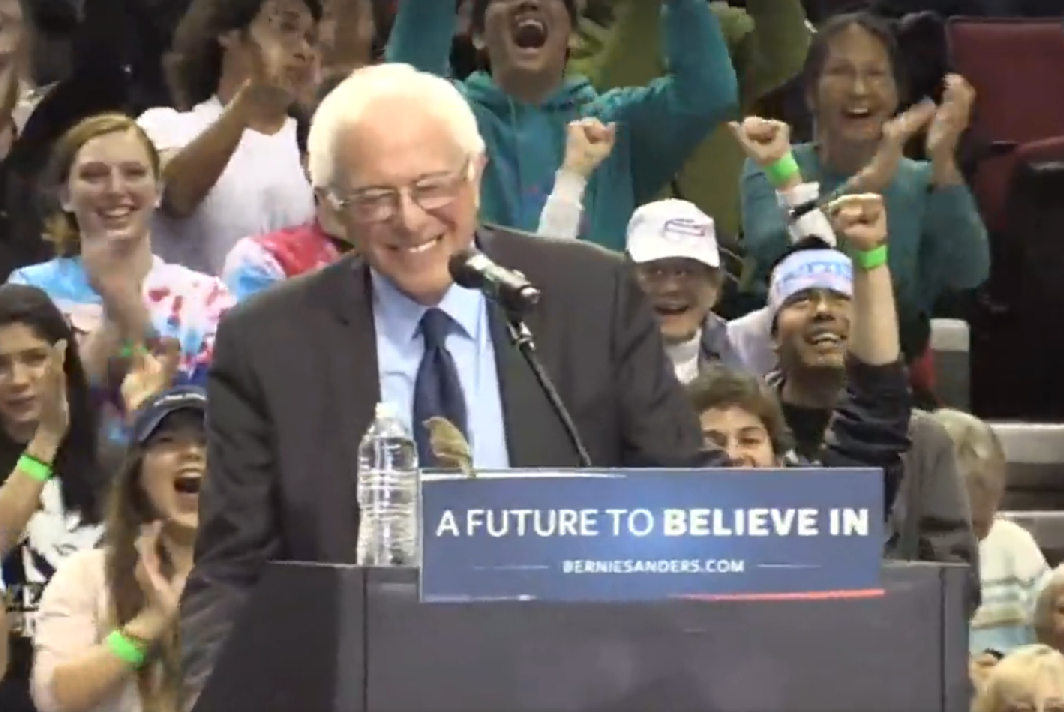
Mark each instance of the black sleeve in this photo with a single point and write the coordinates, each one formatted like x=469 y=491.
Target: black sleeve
x=658 y=425
x=870 y=427
x=238 y=531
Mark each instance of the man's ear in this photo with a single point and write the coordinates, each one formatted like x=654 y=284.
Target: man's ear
x=478 y=42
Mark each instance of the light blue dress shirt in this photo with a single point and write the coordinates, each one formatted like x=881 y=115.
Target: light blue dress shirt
x=399 y=349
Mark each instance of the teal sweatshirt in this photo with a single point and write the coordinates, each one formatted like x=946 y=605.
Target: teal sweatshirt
x=937 y=242
x=658 y=126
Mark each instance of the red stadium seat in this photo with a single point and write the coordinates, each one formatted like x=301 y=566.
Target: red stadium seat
x=1014 y=65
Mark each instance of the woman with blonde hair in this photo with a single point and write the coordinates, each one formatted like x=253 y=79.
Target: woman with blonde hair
x=1011 y=566
x=1031 y=678
x=106 y=178
x=1049 y=612
x=107 y=626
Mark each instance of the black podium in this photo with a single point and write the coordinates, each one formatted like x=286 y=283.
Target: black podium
x=370 y=646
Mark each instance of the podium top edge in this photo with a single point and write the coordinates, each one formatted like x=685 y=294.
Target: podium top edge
x=620 y=473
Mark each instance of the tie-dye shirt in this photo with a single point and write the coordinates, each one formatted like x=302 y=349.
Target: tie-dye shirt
x=255 y=263
x=183 y=305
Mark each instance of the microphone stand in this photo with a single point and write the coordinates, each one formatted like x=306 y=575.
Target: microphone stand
x=522 y=339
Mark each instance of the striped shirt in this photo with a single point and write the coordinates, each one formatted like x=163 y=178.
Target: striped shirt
x=1013 y=571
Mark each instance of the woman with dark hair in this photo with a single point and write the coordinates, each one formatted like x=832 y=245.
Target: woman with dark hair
x=107 y=630
x=237 y=69
x=854 y=86
x=48 y=454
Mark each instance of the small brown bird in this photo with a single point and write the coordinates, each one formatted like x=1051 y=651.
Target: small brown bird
x=450 y=446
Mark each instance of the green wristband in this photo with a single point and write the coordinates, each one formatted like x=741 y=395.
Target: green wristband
x=128 y=350
x=125 y=649
x=40 y=471
x=782 y=170
x=870 y=259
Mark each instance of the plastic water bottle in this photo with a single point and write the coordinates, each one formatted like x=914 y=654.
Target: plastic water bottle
x=387 y=492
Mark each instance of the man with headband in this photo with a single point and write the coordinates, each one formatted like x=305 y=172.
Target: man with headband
x=811 y=315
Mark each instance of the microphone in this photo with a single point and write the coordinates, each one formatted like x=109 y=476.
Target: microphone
x=473 y=269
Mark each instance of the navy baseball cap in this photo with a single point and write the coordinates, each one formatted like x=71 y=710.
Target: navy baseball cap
x=174 y=400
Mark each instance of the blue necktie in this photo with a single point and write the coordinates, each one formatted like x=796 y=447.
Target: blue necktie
x=437 y=391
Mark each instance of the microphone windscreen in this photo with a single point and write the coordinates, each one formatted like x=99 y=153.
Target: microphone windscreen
x=462 y=272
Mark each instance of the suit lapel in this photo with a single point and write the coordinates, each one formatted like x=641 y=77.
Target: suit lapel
x=350 y=345
x=534 y=437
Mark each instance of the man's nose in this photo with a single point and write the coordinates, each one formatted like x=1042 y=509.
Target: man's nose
x=736 y=455
x=669 y=283
x=305 y=50
x=194 y=450
x=20 y=374
x=409 y=214
x=822 y=308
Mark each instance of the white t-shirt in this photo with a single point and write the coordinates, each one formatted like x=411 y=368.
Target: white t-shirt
x=262 y=189
x=52 y=534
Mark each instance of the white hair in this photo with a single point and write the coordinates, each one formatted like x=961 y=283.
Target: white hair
x=346 y=104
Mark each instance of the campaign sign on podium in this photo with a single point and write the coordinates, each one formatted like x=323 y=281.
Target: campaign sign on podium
x=651 y=534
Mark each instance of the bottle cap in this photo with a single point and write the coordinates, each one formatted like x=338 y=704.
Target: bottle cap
x=387 y=410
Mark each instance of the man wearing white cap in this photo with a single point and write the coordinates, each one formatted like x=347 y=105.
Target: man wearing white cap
x=673 y=245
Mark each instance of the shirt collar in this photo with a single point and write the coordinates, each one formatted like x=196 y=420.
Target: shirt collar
x=81 y=273
x=401 y=315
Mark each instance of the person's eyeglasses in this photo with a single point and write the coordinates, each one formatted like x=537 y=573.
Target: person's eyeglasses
x=376 y=205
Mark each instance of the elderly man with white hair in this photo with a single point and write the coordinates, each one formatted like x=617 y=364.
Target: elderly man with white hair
x=299 y=368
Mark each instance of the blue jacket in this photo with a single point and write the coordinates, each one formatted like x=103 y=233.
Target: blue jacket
x=658 y=126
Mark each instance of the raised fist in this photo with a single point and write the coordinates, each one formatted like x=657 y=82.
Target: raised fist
x=860 y=220
x=952 y=117
x=588 y=143
x=765 y=141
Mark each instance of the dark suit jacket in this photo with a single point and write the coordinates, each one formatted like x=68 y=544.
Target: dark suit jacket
x=294 y=386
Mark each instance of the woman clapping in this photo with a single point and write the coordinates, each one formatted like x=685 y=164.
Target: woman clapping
x=107 y=627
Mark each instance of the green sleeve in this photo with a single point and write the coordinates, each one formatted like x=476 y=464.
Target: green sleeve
x=955 y=247
x=628 y=54
x=422 y=34
x=670 y=116
x=775 y=50
x=765 y=235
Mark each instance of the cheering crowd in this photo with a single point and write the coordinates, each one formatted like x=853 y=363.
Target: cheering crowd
x=251 y=212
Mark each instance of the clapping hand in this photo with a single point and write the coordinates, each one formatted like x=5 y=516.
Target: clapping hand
x=951 y=119
x=149 y=373
x=588 y=143
x=279 y=71
x=162 y=590
x=877 y=175
x=765 y=141
x=110 y=271
x=54 y=419
x=860 y=220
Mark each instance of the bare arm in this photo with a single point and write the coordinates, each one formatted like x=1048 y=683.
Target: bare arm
x=20 y=494
x=191 y=172
x=72 y=671
x=871 y=423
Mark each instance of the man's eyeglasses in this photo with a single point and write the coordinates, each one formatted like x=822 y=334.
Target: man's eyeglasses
x=376 y=205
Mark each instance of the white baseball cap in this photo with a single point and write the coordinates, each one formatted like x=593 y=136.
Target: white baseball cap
x=668 y=229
